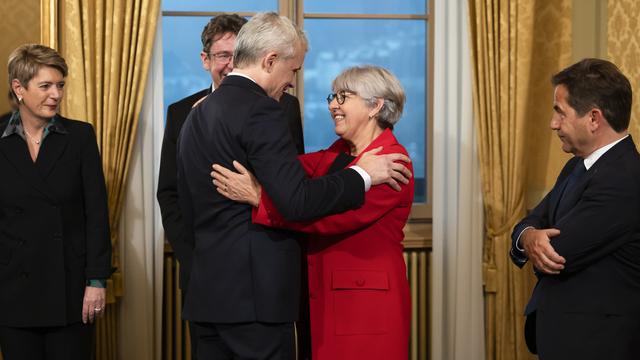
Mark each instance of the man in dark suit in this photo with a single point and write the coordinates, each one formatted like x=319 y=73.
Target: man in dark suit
x=218 y=42
x=244 y=288
x=584 y=237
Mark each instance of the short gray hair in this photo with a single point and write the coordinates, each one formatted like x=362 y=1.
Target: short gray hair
x=267 y=32
x=372 y=82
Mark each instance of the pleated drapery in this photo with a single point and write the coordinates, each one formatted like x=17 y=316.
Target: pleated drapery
x=107 y=45
x=516 y=47
x=623 y=49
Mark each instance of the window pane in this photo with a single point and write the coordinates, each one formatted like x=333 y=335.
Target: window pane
x=398 y=45
x=182 y=68
x=219 y=5
x=366 y=6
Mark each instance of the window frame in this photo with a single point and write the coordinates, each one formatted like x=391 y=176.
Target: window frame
x=418 y=230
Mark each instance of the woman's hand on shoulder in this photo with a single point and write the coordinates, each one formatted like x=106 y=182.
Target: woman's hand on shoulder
x=239 y=186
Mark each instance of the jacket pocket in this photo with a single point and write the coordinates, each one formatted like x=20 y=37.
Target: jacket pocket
x=360 y=300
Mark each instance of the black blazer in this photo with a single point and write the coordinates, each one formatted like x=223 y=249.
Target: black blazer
x=600 y=240
x=54 y=226
x=244 y=272
x=167 y=188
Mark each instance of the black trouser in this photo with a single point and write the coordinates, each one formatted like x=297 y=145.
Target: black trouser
x=71 y=342
x=257 y=341
x=193 y=332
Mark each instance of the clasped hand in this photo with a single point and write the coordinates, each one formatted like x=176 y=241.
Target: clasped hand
x=538 y=248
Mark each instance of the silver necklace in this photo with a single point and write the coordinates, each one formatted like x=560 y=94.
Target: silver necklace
x=37 y=142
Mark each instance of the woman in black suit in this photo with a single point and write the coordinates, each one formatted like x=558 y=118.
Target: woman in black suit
x=55 y=250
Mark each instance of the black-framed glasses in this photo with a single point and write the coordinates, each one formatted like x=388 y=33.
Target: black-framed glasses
x=340 y=96
x=221 y=57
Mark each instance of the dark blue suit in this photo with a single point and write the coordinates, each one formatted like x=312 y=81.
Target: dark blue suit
x=591 y=310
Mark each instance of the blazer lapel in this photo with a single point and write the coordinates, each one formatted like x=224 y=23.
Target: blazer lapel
x=574 y=194
x=556 y=192
x=52 y=148
x=15 y=150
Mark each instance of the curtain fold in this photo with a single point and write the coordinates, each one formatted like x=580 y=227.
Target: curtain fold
x=140 y=316
x=623 y=49
x=457 y=316
x=516 y=47
x=107 y=45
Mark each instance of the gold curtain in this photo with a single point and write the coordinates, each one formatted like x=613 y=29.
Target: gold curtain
x=108 y=46
x=516 y=47
x=623 y=44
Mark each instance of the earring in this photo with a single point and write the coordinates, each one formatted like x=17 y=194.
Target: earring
x=19 y=99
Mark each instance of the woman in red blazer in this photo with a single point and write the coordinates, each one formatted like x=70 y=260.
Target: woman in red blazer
x=358 y=290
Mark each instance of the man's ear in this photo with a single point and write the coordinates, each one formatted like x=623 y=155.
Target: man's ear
x=596 y=119
x=206 y=61
x=269 y=61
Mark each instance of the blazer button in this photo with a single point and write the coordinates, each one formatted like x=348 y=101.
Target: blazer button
x=24 y=275
x=360 y=282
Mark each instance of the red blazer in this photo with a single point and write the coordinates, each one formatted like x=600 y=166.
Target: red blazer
x=358 y=290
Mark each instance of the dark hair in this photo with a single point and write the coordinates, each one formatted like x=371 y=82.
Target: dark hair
x=218 y=26
x=598 y=83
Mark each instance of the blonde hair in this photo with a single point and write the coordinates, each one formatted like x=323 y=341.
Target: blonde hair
x=25 y=62
x=267 y=32
x=372 y=82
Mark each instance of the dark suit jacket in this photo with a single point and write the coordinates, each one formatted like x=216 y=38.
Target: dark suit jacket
x=591 y=309
x=54 y=226
x=244 y=272
x=167 y=187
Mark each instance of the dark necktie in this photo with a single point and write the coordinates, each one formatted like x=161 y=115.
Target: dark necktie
x=573 y=178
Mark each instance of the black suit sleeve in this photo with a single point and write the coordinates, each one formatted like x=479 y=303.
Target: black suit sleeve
x=604 y=219
x=291 y=107
x=96 y=211
x=172 y=219
x=272 y=159
x=538 y=218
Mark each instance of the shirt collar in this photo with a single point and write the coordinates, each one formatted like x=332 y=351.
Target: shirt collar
x=241 y=74
x=591 y=159
x=15 y=126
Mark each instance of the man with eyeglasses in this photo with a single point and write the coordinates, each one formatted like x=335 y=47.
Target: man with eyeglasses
x=218 y=43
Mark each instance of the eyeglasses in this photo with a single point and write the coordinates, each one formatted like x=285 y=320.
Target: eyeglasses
x=340 y=96
x=221 y=57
